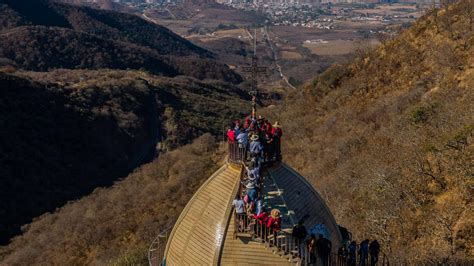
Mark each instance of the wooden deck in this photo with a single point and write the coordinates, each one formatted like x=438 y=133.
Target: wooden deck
x=203 y=234
x=198 y=234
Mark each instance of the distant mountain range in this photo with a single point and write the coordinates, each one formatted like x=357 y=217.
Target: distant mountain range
x=41 y=35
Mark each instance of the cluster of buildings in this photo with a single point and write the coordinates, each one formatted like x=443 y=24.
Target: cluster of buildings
x=314 y=13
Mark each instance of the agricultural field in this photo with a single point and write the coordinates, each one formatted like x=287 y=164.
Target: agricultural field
x=338 y=47
x=284 y=49
x=403 y=10
x=290 y=55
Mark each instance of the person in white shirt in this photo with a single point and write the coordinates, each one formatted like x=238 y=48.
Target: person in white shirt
x=239 y=205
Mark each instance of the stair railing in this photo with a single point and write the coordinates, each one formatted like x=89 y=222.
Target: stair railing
x=156 y=251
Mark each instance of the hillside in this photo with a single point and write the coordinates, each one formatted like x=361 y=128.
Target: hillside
x=75 y=37
x=106 y=24
x=78 y=130
x=63 y=48
x=102 y=4
x=115 y=225
x=388 y=140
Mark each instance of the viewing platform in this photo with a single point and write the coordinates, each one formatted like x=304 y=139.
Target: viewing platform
x=206 y=231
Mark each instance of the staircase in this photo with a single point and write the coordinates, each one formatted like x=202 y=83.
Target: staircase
x=207 y=232
x=245 y=251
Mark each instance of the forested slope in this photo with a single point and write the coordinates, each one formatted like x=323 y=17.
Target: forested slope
x=42 y=35
x=64 y=133
x=116 y=224
x=388 y=140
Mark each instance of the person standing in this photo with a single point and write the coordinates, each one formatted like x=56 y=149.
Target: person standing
x=299 y=233
x=323 y=247
x=230 y=134
x=364 y=252
x=311 y=246
x=261 y=220
x=242 y=138
x=277 y=133
x=352 y=250
x=374 y=250
x=239 y=206
x=256 y=147
x=342 y=255
x=274 y=224
x=253 y=169
x=251 y=191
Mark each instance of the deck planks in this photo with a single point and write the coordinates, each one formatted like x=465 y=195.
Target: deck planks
x=197 y=235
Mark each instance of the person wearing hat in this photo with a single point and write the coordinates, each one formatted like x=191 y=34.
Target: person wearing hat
x=242 y=138
x=256 y=147
x=277 y=133
x=253 y=170
x=253 y=178
x=274 y=222
x=251 y=191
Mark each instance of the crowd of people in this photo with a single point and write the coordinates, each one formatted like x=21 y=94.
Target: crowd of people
x=318 y=247
x=261 y=141
x=258 y=136
x=250 y=208
x=367 y=252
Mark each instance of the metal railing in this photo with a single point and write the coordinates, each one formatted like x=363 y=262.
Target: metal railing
x=295 y=250
x=156 y=251
x=237 y=153
x=285 y=244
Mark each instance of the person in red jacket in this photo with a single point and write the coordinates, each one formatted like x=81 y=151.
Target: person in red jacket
x=247 y=123
x=231 y=134
x=261 y=229
x=277 y=134
x=269 y=128
x=274 y=223
x=276 y=130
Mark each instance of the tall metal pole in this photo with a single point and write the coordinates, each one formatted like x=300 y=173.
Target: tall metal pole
x=254 y=70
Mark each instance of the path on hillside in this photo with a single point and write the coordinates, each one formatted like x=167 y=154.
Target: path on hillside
x=144 y=15
x=171 y=13
x=269 y=41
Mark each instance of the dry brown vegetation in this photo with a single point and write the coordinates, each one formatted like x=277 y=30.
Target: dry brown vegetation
x=388 y=140
x=42 y=35
x=78 y=130
x=115 y=225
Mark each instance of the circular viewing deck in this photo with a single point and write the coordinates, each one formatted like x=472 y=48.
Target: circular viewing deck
x=205 y=233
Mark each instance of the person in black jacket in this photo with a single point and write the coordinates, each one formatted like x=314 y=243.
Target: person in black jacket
x=299 y=233
x=374 y=250
x=323 y=247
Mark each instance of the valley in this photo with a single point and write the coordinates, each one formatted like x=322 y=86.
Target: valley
x=308 y=37
x=111 y=121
